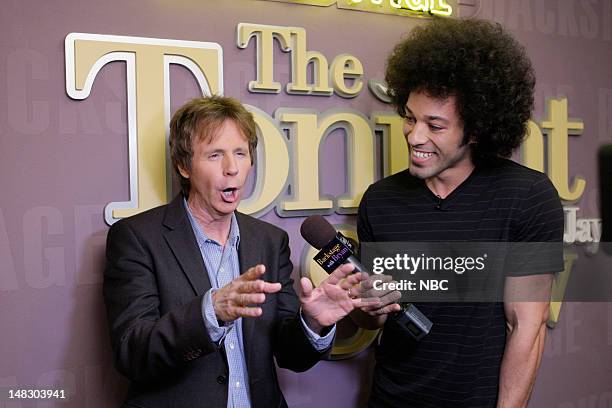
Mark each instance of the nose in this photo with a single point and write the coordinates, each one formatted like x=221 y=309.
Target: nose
x=416 y=133
x=230 y=165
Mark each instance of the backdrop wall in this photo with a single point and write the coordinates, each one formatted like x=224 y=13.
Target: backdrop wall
x=63 y=160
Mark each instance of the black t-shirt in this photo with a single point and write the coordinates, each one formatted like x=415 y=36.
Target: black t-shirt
x=457 y=364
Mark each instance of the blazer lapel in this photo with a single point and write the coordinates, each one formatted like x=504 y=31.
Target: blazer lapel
x=249 y=249
x=249 y=254
x=181 y=240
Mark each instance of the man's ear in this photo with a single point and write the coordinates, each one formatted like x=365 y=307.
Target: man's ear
x=183 y=172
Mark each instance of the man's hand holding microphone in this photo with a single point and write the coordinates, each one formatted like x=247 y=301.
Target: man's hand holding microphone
x=371 y=314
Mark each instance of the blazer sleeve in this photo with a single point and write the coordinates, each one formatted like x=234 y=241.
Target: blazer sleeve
x=147 y=345
x=292 y=348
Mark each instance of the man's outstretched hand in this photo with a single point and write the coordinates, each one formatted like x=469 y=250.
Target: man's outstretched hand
x=240 y=297
x=329 y=302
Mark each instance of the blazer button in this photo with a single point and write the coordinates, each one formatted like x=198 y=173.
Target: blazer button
x=221 y=379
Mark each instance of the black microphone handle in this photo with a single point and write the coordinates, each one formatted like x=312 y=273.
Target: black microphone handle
x=410 y=318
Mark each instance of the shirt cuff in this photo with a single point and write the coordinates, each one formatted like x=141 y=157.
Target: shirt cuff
x=320 y=343
x=216 y=332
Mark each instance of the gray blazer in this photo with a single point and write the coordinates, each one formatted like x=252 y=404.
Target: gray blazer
x=154 y=282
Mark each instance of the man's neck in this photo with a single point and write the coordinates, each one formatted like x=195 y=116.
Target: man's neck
x=445 y=183
x=216 y=228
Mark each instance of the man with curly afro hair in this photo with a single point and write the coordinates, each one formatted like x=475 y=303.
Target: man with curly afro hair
x=465 y=90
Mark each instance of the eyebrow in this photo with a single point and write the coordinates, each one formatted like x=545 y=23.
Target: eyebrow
x=221 y=150
x=429 y=117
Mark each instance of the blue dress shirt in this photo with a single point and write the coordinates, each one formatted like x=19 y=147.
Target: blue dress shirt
x=223 y=266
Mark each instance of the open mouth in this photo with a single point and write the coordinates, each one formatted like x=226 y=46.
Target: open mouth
x=421 y=156
x=229 y=194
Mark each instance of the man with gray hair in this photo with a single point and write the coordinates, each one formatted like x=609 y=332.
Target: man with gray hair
x=199 y=296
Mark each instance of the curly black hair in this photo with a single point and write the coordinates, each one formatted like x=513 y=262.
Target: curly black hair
x=479 y=63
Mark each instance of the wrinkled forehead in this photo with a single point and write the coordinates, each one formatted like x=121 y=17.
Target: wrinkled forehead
x=215 y=130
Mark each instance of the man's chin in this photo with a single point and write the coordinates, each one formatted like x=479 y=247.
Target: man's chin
x=419 y=173
x=228 y=208
x=223 y=208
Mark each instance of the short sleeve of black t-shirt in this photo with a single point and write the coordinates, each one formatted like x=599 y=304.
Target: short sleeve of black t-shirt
x=537 y=237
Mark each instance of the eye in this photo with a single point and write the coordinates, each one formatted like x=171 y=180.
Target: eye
x=214 y=156
x=409 y=120
x=435 y=128
x=406 y=129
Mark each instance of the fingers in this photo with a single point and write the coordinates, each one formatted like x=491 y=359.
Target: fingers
x=386 y=298
x=356 y=278
x=258 y=286
x=368 y=288
x=339 y=273
x=351 y=281
x=386 y=303
x=376 y=311
x=364 y=303
x=234 y=300
x=253 y=273
x=361 y=285
x=307 y=287
x=391 y=297
x=271 y=287
x=387 y=309
x=244 y=311
x=368 y=283
x=249 y=281
x=249 y=298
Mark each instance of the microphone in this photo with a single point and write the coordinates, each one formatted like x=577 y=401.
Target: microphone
x=336 y=249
